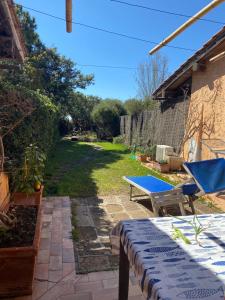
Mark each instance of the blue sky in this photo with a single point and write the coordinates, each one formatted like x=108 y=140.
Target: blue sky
x=87 y=46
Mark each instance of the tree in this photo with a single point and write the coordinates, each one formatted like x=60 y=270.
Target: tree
x=65 y=125
x=117 y=105
x=134 y=106
x=29 y=28
x=106 y=117
x=151 y=74
x=81 y=107
x=54 y=75
x=47 y=76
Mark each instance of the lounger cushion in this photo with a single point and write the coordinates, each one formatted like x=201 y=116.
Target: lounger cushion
x=150 y=183
x=208 y=174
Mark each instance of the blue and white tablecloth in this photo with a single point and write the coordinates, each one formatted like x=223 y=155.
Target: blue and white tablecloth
x=169 y=269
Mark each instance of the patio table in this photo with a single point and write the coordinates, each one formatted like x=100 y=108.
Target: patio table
x=169 y=269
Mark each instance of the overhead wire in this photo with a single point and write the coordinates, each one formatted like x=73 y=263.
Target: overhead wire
x=106 y=31
x=165 y=11
x=108 y=67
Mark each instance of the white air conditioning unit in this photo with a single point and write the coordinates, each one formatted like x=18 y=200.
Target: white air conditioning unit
x=162 y=151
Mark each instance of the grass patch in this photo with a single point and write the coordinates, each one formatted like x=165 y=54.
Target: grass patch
x=79 y=169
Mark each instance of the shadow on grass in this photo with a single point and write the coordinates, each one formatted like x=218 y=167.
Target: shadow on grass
x=70 y=167
x=69 y=172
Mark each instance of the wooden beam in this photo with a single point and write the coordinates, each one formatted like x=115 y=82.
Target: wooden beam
x=192 y=20
x=14 y=28
x=217 y=57
x=69 y=16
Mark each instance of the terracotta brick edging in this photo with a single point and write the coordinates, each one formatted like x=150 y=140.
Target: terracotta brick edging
x=55 y=261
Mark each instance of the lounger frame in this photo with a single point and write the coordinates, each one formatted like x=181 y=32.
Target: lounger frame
x=159 y=199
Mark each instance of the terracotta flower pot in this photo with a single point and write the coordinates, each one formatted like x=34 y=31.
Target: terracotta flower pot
x=142 y=157
x=17 y=264
x=33 y=199
x=148 y=158
x=163 y=168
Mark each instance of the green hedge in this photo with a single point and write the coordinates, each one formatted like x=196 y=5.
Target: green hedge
x=41 y=127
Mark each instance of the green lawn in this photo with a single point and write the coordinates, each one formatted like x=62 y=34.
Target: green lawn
x=87 y=169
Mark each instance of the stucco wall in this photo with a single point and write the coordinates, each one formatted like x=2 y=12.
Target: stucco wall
x=206 y=117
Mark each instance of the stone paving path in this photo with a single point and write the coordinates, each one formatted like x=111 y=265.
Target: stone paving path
x=55 y=276
x=96 y=216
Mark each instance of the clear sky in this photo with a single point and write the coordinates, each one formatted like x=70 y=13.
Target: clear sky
x=90 y=47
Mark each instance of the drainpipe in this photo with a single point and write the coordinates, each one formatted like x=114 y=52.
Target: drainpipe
x=192 y=20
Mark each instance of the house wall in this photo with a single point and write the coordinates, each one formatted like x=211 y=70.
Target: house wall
x=163 y=125
x=206 y=117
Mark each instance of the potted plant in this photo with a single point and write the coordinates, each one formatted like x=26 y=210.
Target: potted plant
x=141 y=156
x=28 y=180
x=163 y=166
x=151 y=153
x=20 y=226
x=148 y=153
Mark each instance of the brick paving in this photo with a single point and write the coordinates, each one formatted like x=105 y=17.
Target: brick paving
x=55 y=276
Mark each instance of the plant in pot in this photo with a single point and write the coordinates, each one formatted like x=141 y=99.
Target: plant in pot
x=163 y=166
x=141 y=154
x=150 y=152
x=20 y=226
x=133 y=150
x=28 y=180
x=153 y=152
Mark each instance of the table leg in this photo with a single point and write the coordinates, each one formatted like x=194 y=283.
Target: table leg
x=155 y=208
x=191 y=204
x=131 y=191
x=123 y=275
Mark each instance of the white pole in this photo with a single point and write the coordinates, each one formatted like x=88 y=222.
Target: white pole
x=192 y=20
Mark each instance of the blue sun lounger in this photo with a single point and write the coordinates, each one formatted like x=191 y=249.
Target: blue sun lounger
x=160 y=193
x=207 y=177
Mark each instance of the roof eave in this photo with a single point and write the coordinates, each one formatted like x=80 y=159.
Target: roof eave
x=187 y=66
x=17 y=36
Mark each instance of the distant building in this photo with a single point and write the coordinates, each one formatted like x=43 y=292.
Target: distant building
x=201 y=80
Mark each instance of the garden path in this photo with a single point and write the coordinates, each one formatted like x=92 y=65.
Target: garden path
x=96 y=216
x=55 y=276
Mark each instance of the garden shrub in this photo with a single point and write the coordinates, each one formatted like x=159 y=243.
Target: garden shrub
x=106 y=118
x=41 y=127
x=120 y=139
